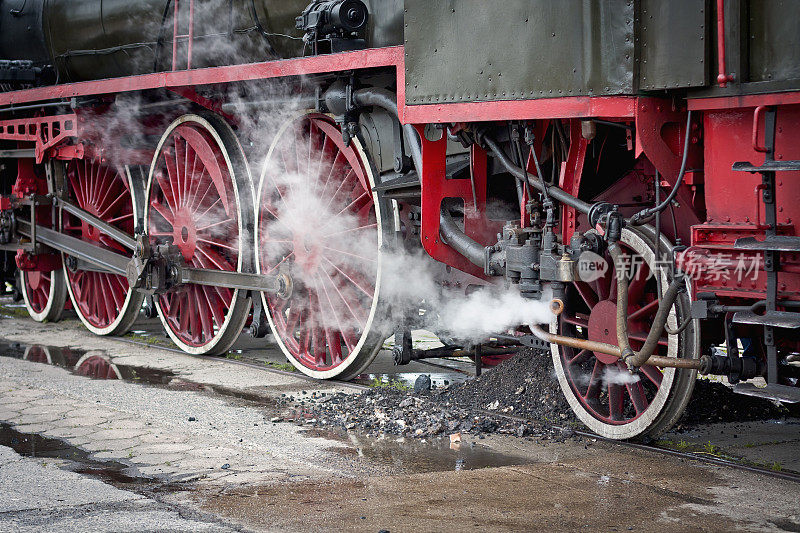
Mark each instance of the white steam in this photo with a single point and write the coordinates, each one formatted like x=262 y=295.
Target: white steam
x=613 y=375
x=484 y=312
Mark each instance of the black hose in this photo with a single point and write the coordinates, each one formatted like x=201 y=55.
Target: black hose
x=631 y=358
x=386 y=100
x=644 y=215
x=558 y=194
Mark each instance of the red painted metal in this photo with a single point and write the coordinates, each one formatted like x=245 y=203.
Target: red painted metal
x=595 y=313
x=757 y=115
x=192 y=203
x=29 y=181
x=175 y=34
x=37 y=262
x=103 y=192
x=362 y=59
x=570 y=177
x=47 y=133
x=213 y=105
x=747 y=100
x=713 y=265
x=660 y=133
x=566 y=107
x=436 y=187
x=318 y=219
x=723 y=78
x=734 y=207
x=177 y=37
x=37 y=288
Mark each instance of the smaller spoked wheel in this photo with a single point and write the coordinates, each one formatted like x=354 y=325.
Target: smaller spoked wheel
x=319 y=219
x=601 y=391
x=199 y=199
x=103 y=301
x=44 y=294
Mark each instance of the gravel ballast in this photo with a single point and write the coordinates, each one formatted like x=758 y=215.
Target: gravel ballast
x=524 y=386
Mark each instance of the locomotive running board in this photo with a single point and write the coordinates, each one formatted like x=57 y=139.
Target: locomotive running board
x=778 y=319
x=780 y=393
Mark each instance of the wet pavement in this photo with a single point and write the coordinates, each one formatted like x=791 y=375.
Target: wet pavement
x=96 y=431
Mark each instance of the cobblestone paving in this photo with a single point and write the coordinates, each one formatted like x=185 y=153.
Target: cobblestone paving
x=174 y=435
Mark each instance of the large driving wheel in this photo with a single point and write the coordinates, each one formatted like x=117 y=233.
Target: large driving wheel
x=44 y=294
x=319 y=218
x=104 y=302
x=199 y=199
x=598 y=387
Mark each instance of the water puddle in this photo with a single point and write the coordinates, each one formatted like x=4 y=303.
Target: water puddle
x=93 y=364
x=70 y=457
x=96 y=364
x=413 y=456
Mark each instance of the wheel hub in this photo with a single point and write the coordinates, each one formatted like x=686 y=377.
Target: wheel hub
x=603 y=328
x=306 y=251
x=34 y=278
x=88 y=231
x=185 y=234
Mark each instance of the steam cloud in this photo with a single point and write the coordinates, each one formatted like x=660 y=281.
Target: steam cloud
x=310 y=218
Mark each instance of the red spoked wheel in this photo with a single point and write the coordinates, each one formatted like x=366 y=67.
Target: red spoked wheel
x=601 y=391
x=44 y=294
x=319 y=218
x=104 y=302
x=199 y=199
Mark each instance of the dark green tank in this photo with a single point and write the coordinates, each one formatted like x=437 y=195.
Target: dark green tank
x=94 y=39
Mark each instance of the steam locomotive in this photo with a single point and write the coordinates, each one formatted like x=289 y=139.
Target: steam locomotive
x=637 y=161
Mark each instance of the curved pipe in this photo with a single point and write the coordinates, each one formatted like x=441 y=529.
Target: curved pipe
x=448 y=230
x=559 y=194
x=610 y=349
x=637 y=359
x=460 y=241
x=386 y=100
x=644 y=216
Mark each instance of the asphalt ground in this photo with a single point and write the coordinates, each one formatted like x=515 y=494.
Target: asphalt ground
x=182 y=443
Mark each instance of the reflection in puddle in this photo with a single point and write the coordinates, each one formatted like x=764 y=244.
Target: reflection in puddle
x=96 y=364
x=93 y=364
x=412 y=456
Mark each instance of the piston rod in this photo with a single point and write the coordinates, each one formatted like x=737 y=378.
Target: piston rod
x=115 y=233
x=108 y=261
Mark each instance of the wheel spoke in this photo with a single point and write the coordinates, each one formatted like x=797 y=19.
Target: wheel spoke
x=642 y=337
x=652 y=373
x=638 y=398
x=580 y=357
x=595 y=382
x=645 y=311
x=576 y=320
x=616 y=401
x=367 y=292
